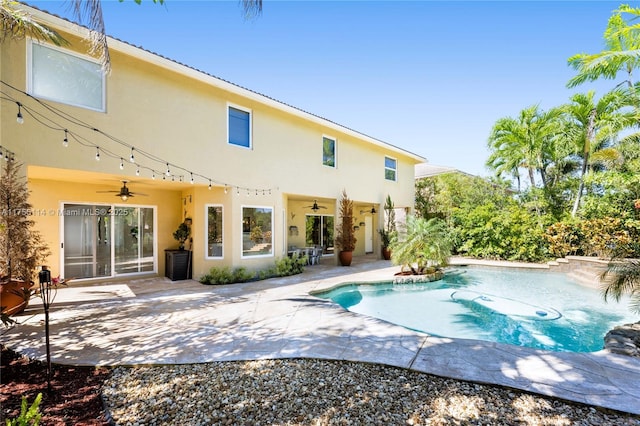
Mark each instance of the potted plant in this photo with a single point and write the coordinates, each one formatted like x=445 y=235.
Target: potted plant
x=22 y=249
x=388 y=230
x=345 y=236
x=182 y=234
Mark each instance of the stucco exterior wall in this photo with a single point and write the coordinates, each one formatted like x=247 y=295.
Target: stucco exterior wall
x=180 y=115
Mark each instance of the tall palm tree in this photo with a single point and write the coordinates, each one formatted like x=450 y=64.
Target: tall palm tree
x=623 y=277
x=18 y=24
x=597 y=123
x=525 y=142
x=622 y=47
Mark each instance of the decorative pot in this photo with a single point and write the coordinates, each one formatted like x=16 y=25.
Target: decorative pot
x=345 y=258
x=386 y=253
x=14 y=296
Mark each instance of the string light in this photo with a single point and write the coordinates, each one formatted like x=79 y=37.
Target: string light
x=153 y=175
x=47 y=121
x=209 y=184
x=19 y=117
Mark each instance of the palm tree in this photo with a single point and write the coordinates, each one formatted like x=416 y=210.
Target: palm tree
x=17 y=24
x=525 y=142
x=596 y=124
x=622 y=42
x=426 y=244
x=623 y=277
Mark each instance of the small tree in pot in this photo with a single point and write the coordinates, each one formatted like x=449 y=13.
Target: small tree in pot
x=181 y=235
x=388 y=230
x=345 y=236
x=22 y=248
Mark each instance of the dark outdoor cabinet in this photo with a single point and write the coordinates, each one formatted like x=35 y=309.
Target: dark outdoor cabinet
x=177 y=264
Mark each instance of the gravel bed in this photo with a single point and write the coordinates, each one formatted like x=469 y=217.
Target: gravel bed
x=320 y=392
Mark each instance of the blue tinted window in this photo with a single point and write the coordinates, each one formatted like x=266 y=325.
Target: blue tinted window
x=239 y=127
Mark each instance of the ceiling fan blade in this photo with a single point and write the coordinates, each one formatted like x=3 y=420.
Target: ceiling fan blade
x=106 y=192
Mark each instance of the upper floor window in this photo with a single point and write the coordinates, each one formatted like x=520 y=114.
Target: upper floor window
x=65 y=77
x=328 y=151
x=214 y=231
x=390 y=168
x=239 y=126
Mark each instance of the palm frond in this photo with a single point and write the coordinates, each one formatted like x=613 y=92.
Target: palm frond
x=622 y=277
x=17 y=24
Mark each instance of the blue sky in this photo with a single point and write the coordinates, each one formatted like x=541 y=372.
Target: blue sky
x=431 y=77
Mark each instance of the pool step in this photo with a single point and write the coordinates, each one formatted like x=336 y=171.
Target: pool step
x=587 y=276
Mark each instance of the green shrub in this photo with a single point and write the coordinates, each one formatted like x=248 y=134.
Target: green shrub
x=290 y=266
x=28 y=416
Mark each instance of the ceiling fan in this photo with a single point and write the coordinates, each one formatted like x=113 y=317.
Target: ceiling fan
x=124 y=192
x=315 y=207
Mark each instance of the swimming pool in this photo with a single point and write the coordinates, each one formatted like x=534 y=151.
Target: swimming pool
x=537 y=309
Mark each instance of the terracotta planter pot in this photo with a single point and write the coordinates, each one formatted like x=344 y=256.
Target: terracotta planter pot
x=345 y=258
x=386 y=253
x=14 y=296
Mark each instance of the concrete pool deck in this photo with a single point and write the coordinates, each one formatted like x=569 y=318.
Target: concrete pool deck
x=156 y=321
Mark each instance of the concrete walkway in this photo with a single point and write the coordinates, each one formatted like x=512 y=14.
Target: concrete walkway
x=156 y=321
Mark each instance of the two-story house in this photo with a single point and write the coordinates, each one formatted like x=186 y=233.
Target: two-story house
x=115 y=162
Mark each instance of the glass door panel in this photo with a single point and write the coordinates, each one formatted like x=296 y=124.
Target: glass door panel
x=87 y=241
x=146 y=240
x=319 y=232
x=127 y=246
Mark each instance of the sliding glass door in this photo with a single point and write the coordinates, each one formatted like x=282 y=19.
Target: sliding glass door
x=104 y=241
x=319 y=232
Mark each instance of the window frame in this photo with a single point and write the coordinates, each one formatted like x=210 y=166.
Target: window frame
x=30 y=76
x=395 y=170
x=248 y=111
x=242 y=216
x=206 y=230
x=335 y=151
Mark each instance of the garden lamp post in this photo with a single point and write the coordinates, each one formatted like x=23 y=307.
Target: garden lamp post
x=44 y=276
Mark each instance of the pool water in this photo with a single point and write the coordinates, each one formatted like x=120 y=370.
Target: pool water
x=543 y=310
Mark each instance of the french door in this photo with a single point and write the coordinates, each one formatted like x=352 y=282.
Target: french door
x=319 y=232
x=105 y=241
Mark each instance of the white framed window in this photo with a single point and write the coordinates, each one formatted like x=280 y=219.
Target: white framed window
x=214 y=230
x=390 y=168
x=329 y=151
x=238 y=126
x=257 y=231
x=64 y=76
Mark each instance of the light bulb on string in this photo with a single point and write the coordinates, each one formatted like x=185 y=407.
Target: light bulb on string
x=168 y=172
x=97 y=153
x=209 y=184
x=138 y=171
x=192 y=181
x=19 y=117
x=153 y=175
x=238 y=191
x=225 y=188
x=65 y=141
x=132 y=159
x=121 y=164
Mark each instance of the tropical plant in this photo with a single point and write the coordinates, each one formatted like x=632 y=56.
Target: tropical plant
x=622 y=277
x=389 y=228
x=525 y=142
x=345 y=236
x=17 y=25
x=22 y=248
x=622 y=42
x=29 y=415
x=423 y=247
x=595 y=125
